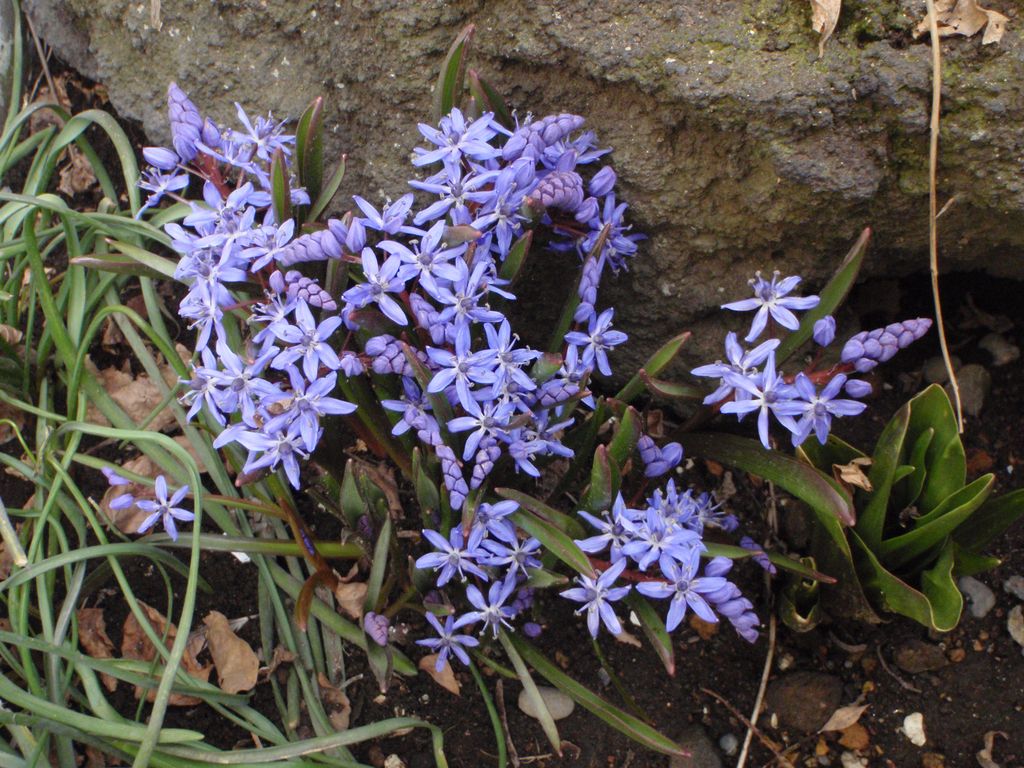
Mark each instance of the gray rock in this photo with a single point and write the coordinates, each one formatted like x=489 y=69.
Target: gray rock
x=559 y=705
x=1015 y=624
x=729 y=744
x=980 y=598
x=1003 y=352
x=975 y=383
x=702 y=750
x=1015 y=586
x=803 y=701
x=738 y=147
x=934 y=370
x=916 y=656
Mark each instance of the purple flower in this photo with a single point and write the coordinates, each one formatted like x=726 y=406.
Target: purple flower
x=740 y=361
x=453 y=555
x=685 y=589
x=455 y=140
x=767 y=393
x=186 y=122
x=612 y=530
x=597 y=594
x=603 y=182
x=820 y=407
x=267 y=450
x=869 y=348
x=511 y=552
x=824 y=330
x=535 y=136
x=164 y=508
x=376 y=627
x=380 y=281
x=459 y=369
x=161 y=158
x=596 y=342
x=449 y=642
x=307 y=341
x=391 y=220
x=772 y=298
x=559 y=189
x=492 y=611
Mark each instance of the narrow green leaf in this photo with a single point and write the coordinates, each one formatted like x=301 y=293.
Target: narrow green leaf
x=448 y=90
x=309 y=148
x=991 y=521
x=327 y=195
x=906 y=493
x=943 y=520
x=491 y=100
x=160 y=265
x=970 y=564
x=605 y=480
x=379 y=567
x=553 y=540
x=567 y=523
x=352 y=505
x=627 y=433
x=871 y=524
x=671 y=390
x=654 y=629
x=621 y=721
x=655 y=364
x=822 y=493
x=427 y=495
x=513 y=264
x=280 y=190
x=543 y=714
x=832 y=295
x=117 y=267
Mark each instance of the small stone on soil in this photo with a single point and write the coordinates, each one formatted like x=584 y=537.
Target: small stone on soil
x=980 y=598
x=1003 y=352
x=804 y=700
x=559 y=705
x=851 y=760
x=1015 y=624
x=975 y=382
x=934 y=369
x=1015 y=586
x=933 y=760
x=702 y=750
x=916 y=656
x=729 y=744
x=913 y=729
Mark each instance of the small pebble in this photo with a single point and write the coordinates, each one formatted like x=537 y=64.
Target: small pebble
x=933 y=760
x=916 y=656
x=975 y=382
x=934 y=369
x=729 y=744
x=913 y=729
x=851 y=760
x=1003 y=352
x=980 y=598
x=702 y=750
x=1015 y=586
x=1015 y=624
x=559 y=705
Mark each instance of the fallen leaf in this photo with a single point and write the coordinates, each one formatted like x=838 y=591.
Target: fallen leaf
x=853 y=473
x=138 y=396
x=236 y=662
x=445 y=678
x=984 y=757
x=76 y=177
x=706 y=629
x=824 y=17
x=855 y=736
x=135 y=645
x=843 y=718
x=281 y=656
x=92 y=634
x=351 y=597
x=10 y=335
x=337 y=702
x=628 y=638
x=966 y=18
x=12 y=421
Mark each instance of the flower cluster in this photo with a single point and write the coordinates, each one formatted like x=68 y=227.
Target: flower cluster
x=749 y=380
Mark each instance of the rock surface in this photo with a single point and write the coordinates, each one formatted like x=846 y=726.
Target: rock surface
x=737 y=146
x=916 y=656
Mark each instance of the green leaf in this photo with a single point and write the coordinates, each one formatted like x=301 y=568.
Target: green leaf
x=930 y=531
x=871 y=524
x=448 y=90
x=893 y=594
x=379 y=567
x=800 y=601
x=538 y=508
x=970 y=564
x=655 y=364
x=654 y=628
x=939 y=586
x=352 y=505
x=671 y=390
x=991 y=521
x=821 y=493
x=905 y=493
x=147 y=259
x=491 y=100
x=309 y=148
x=513 y=264
x=553 y=540
x=327 y=195
x=823 y=457
x=280 y=190
x=945 y=459
x=605 y=480
x=832 y=295
x=624 y=441
x=547 y=722
x=106 y=263
x=621 y=721
x=427 y=496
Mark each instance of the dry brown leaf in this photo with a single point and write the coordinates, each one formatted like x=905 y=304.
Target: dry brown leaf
x=236 y=662
x=76 y=176
x=10 y=335
x=445 y=677
x=281 y=656
x=853 y=473
x=984 y=756
x=135 y=645
x=92 y=634
x=855 y=736
x=965 y=18
x=12 y=420
x=137 y=396
x=844 y=717
x=824 y=17
x=706 y=629
x=628 y=638
x=351 y=597
x=337 y=702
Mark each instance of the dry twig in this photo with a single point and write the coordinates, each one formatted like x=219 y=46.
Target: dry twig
x=752 y=729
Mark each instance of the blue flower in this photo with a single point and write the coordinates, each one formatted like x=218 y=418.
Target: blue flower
x=597 y=594
x=453 y=555
x=772 y=298
x=768 y=393
x=449 y=642
x=267 y=450
x=511 y=552
x=164 y=508
x=740 y=361
x=380 y=281
x=820 y=407
x=597 y=341
x=686 y=589
x=307 y=341
x=492 y=611
x=455 y=139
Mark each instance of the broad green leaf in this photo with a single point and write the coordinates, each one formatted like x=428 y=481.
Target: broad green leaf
x=832 y=295
x=309 y=148
x=671 y=390
x=605 y=481
x=821 y=493
x=900 y=550
x=654 y=628
x=781 y=561
x=970 y=564
x=906 y=493
x=823 y=457
x=800 y=602
x=562 y=521
x=621 y=721
x=513 y=264
x=945 y=459
x=939 y=586
x=891 y=593
x=990 y=521
x=627 y=433
x=448 y=90
x=871 y=522
x=655 y=364
x=553 y=540
x=352 y=505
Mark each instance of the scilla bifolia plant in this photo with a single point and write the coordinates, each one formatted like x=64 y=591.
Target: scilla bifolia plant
x=396 y=318
x=894 y=541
